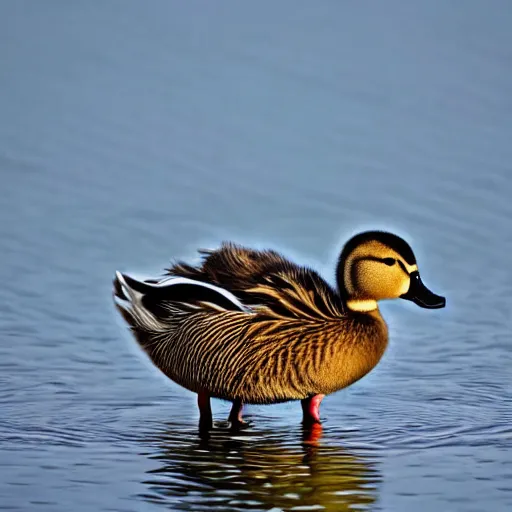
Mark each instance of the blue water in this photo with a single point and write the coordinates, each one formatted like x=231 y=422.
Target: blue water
x=133 y=133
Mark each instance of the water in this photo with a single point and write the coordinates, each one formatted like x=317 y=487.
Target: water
x=134 y=133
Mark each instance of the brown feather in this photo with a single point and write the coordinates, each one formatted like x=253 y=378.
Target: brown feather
x=265 y=278
x=261 y=357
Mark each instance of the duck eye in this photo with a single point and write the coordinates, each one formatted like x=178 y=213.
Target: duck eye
x=389 y=261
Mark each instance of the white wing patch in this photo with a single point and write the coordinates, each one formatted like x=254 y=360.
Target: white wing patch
x=171 y=281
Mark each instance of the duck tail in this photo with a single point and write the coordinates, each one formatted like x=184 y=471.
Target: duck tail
x=130 y=297
x=155 y=305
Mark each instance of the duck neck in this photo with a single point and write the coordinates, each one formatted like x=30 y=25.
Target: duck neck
x=353 y=303
x=362 y=305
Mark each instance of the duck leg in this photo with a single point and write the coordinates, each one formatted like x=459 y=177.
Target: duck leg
x=235 y=416
x=205 y=411
x=311 y=409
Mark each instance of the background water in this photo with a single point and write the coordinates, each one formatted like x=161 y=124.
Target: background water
x=132 y=133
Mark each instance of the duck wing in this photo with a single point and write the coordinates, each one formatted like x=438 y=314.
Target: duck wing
x=233 y=267
x=265 y=278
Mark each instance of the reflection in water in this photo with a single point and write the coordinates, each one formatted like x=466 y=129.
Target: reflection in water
x=257 y=470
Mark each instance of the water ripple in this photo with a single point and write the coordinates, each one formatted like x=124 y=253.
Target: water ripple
x=257 y=469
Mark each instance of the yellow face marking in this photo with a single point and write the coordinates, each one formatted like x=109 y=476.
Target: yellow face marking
x=405 y=287
x=410 y=268
x=373 y=279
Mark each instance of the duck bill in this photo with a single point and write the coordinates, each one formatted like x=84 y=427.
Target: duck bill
x=421 y=295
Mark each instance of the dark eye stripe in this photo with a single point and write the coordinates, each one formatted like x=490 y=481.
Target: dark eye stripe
x=403 y=267
x=387 y=261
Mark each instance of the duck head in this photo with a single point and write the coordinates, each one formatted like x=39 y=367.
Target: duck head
x=376 y=265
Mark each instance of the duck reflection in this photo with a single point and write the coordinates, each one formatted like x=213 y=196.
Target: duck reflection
x=257 y=470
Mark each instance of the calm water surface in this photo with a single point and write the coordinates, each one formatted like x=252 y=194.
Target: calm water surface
x=133 y=133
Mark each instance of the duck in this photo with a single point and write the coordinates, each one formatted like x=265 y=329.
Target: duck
x=252 y=327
